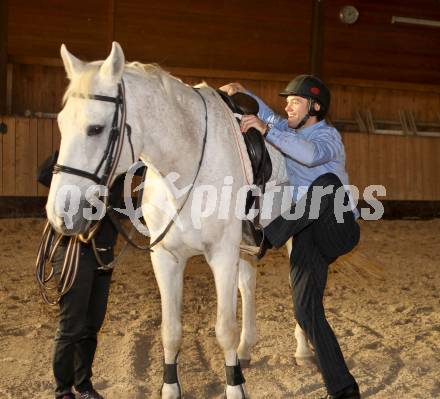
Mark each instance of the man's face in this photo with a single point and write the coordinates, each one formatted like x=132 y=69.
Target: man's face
x=296 y=109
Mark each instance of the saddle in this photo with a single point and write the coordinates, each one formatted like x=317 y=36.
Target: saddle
x=244 y=104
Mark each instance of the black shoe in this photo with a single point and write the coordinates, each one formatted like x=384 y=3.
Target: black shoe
x=67 y=396
x=90 y=394
x=351 y=392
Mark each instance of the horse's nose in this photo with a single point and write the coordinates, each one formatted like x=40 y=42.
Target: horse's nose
x=61 y=219
x=58 y=224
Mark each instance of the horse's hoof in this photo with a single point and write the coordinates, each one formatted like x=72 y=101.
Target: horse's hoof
x=242 y=394
x=245 y=363
x=171 y=391
x=305 y=361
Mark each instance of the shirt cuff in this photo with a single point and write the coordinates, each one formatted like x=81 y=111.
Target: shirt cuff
x=268 y=132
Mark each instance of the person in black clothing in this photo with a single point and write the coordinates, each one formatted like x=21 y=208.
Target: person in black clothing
x=83 y=308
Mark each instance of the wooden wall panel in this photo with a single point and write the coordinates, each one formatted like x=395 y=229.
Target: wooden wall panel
x=56 y=135
x=44 y=146
x=430 y=165
x=37 y=88
x=413 y=170
x=8 y=161
x=384 y=101
x=373 y=48
x=3 y=54
x=19 y=156
x=356 y=146
x=25 y=158
x=234 y=35
x=1 y=159
x=408 y=167
x=37 y=28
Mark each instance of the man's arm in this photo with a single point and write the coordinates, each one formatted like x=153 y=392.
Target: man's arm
x=268 y=115
x=265 y=113
x=319 y=150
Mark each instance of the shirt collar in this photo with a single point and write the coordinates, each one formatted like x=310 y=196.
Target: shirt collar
x=311 y=128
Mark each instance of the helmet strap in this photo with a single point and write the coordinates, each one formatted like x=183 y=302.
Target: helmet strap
x=306 y=116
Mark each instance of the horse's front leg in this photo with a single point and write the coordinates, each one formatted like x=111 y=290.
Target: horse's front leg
x=247 y=279
x=224 y=265
x=168 y=270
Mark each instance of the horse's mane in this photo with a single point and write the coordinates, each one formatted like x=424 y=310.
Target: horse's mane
x=82 y=83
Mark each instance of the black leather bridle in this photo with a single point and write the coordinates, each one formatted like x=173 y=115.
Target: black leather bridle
x=112 y=152
x=49 y=241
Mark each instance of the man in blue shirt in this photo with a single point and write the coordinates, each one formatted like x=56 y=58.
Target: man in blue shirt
x=325 y=226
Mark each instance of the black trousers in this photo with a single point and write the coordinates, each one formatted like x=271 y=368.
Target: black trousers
x=318 y=240
x=82 y=312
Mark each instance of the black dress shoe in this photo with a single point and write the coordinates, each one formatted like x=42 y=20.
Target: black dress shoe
x=351 y=392
x=90 y=394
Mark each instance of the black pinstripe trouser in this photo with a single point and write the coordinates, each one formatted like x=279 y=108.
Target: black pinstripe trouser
x=82 y=312
x=318 y=242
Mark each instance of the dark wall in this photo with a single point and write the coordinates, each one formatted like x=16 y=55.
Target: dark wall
x=234 y=35
x=243 y=35
x=373 y=48
x=38 y=27
x=244 y=40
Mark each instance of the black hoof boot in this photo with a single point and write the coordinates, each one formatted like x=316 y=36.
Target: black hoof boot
x=234 y=377
x=171 y=376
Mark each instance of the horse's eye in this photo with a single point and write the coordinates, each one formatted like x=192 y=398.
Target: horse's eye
x=93 y=130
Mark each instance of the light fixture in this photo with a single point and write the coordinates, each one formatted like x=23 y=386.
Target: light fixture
x=348 y=14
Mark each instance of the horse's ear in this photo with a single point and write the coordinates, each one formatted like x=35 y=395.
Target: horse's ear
x=72 y=65
x=113 y=67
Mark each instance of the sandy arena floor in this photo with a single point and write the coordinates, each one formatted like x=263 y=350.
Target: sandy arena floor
x=383 y=302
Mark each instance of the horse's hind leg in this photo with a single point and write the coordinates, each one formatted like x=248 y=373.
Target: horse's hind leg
x=303 y=355
x=168 y=270
x=224 y=265
x=246 y=284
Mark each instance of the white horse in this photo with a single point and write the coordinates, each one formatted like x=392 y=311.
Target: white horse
x=167 y=120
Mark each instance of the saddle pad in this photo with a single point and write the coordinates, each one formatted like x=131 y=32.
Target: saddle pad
x=239 y=140
x=279 y=171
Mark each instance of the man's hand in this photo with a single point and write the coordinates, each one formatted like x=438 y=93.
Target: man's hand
x=248 y=121
x=232 y=88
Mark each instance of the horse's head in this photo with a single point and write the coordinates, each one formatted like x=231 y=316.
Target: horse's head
x=87 y=123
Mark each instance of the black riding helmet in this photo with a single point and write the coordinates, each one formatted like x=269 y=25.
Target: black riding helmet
x=312 y=88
